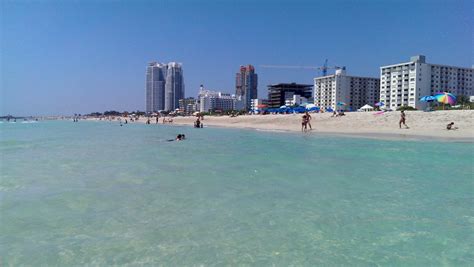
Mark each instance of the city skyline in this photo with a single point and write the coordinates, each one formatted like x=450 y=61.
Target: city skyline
x=89 y=56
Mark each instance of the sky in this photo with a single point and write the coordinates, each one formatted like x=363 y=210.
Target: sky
x=69 y=56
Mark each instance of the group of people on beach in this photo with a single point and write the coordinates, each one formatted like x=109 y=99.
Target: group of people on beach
x=450 y=125
x=306 y=121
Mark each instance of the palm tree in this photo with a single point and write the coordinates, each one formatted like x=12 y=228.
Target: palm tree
x=462 y=100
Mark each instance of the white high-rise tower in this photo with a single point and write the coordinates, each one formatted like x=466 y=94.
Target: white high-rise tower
x=174 y=87
x=164 y=86
x=155 y=86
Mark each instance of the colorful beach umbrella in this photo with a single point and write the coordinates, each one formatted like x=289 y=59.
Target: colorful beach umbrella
x=446 y=98
x=341 y=103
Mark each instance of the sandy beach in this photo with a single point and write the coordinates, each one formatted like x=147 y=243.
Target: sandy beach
x=431 y=125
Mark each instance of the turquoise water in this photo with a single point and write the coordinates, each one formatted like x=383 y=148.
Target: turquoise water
x=96 y=193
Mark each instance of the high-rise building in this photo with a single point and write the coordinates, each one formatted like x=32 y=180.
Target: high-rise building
x=279 y=93
x=405 y=83
x=246 y=83
x=174 y=87
x=164 y=86
x=155 y=86
x=354 y=91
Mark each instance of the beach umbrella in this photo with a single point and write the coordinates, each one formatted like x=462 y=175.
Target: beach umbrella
x=262 y=106
x=428 y=98
x=379 y=104
x=308 y=106
x=340 y=104
x=446 y=98
x=299 y=109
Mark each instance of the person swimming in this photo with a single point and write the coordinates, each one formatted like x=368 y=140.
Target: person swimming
x=179 y=137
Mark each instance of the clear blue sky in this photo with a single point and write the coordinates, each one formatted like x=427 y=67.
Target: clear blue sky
x=65 y=57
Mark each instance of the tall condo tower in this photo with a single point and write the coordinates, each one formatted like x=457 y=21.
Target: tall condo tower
x=246 y=83
x=155 y=86
x=174 y=87
x=164 y=86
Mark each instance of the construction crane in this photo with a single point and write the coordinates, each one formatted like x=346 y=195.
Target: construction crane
x=324 y=68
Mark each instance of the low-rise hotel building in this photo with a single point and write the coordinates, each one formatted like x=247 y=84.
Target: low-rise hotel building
x=354 y=91
x=213 y=100
x=187 y=105
x=258 y=104
x=404 y=84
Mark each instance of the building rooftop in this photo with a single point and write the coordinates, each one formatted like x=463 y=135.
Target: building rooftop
x=289 y=85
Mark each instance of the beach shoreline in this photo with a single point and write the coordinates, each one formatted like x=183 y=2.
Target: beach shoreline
x=423 y=125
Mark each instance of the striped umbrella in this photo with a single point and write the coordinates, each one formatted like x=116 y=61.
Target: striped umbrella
x=446 y=98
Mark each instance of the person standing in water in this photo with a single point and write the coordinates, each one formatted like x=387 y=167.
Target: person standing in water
x=304 y=123
x=308 y=118
x=402 y=120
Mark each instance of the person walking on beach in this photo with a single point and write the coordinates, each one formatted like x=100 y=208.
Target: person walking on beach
x=402 y=120
x=308 y=118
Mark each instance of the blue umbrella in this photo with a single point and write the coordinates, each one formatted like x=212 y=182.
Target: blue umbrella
x=428 y=98
x=379 y=104
x=299 y=109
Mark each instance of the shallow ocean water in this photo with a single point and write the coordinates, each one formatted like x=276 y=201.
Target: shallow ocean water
x=96 y=193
